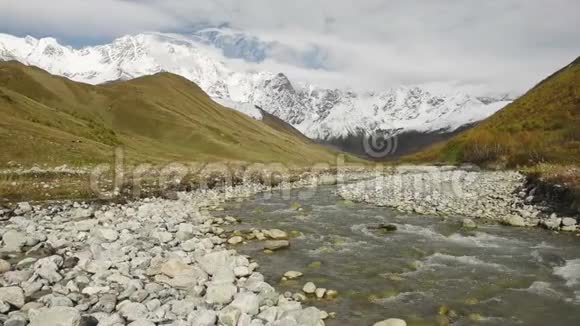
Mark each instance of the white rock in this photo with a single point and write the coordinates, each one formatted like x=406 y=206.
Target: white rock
x=47 y=268
x=164 y=237
x=107 y=234
x=391 y=322
x=142 y=322
x=247 y=303
x=241 y=271
x=515 y=220
x=269 y=314
x=221 y=293
x=12 y=295
x=132 y=310
x=235 y=240
x=291 y=275
x=94 y=290
x=55 y=316
x=309 y=288
x=13 y=240
x=307 y=317
x=276 y=234
x=229 y=316
x=320 y=292
x=468 y=224
x=568 y=221
x=216 y=261
x=4 y=266
x=245 y=320
x=276 y=244
x=174 y=266
x=22 y=208
x=202 y=318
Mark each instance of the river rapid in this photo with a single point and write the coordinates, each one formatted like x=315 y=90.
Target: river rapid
x=429 y=271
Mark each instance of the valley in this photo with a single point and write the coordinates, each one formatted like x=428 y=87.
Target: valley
x=163 y=178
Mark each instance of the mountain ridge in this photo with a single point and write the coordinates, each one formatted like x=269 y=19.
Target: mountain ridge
x=157 y=118
x=539 y=127
x=319 y=113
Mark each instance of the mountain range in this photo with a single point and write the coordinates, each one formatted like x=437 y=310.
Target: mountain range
x=329 y=115
x=48 y=119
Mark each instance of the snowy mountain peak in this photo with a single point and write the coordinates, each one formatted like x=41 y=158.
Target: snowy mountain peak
x=320 y=113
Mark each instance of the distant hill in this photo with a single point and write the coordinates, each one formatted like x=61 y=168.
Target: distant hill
x=164 y=117
x=543 y=126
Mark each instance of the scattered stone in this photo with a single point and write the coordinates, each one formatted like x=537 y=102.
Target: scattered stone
x=107 y=234
x=13 y=241
x=242 y=271
x=391 y=322
x=55 y=316
x=309 y=288
x=220 y=293
x=12 y=295
x=229 y=316
x=568 y=221
x=331 y=294
x=276 y=244
x=16 y=320
x=320 y=292
x=235 y=240
x=468 y=224
x=247 y=303
x=514 y=220
x=132 y=310
x=142 y=322
x=276 y=234
x=4 y=266
x=292 y=275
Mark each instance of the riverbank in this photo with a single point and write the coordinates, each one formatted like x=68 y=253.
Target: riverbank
x=497 y=196
x=140 y=263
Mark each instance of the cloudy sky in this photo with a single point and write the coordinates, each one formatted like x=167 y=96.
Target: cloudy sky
x=483 y=46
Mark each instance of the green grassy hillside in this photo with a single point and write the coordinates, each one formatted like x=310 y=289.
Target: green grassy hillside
x=45 y=119
x=542 y=126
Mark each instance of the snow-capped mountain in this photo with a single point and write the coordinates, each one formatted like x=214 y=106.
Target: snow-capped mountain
x=320 y=113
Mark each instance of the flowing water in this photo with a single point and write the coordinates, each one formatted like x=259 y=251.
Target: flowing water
x=494 y=275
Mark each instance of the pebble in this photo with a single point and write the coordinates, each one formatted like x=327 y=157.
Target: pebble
x=309 y=288
x=276 y=244
x=320 y=292
x=12 y=295
x=291 y=275
x=468 y=224
x=4 y=266
x=276 y=234
x=55 y=316
x=235 y=240
x=391 y=322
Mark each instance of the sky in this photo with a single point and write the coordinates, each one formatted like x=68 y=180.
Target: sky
x=492 y=46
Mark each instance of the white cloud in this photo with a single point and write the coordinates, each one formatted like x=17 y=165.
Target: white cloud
x=494 y=45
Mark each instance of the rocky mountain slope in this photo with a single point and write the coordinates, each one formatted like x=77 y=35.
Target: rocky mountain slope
x=320 y=113
x=159 y=118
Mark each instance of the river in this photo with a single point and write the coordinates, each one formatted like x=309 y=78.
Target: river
x=494 y=275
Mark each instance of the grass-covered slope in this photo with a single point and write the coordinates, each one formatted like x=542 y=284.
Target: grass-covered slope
x=542 y=126
x=45 y=119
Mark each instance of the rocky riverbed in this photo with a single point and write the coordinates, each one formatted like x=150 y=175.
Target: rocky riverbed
x=161 y=261
x=447 y=191
x=148 y=262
